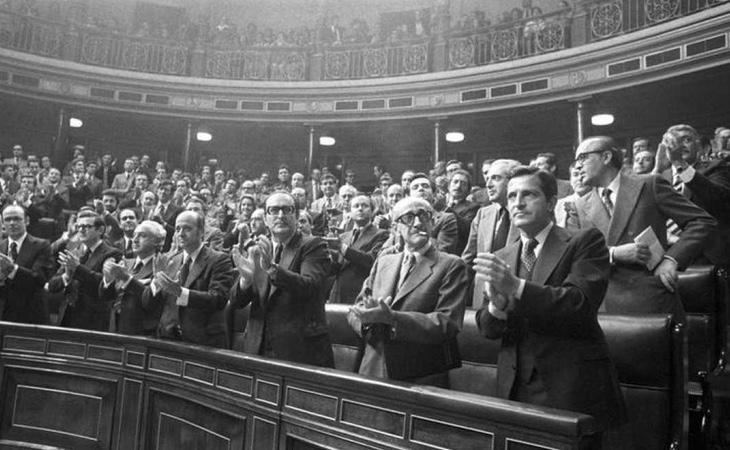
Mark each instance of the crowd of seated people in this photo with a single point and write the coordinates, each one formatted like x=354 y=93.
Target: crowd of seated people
x=150 y=250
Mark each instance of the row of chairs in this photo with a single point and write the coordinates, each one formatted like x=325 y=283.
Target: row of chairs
x=664 y=367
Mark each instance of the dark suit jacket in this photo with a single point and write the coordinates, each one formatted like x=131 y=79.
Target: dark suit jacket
x=481 y=239
x=465 y=212
x=290 y=322
x=446 y=232
x=121 y=183
x=428 y=310
x=82 y=307
x=21 y=299
x=352 y=268
x=201 y=321
x=168 y=221
x=645 y=201
x=132 y=317
x=554 y=327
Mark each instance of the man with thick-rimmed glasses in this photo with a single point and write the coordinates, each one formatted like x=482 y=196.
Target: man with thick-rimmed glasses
x=283 y=280
x=411 y=307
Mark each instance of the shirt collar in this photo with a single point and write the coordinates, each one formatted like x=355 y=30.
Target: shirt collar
x=420 y=252
x=94 y=247
x=194 y=254
x=614 y=184
x=540 y=237
x=143 y=261
x=19 y=241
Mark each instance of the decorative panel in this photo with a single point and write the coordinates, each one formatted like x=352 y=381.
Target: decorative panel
x=105 y=354
x=445 y=435
x=232 y=382
x=311 y=402
x=267 y=392
x=373 y=418
x=69 y=349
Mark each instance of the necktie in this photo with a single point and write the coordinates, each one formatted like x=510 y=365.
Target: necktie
x=277 y=253
x=355 y=235
x=184 y=271
x=162 y=210
x=85 y=257
x=529 y=257
x=128 y=253
x=502 y=231
x=409 y=260
x=137 y=268
x=606 y=197
x=14 y=251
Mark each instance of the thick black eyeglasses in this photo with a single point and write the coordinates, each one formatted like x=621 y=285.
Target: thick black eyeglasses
x=410 y=217
x=583 y=156
x=276 y=210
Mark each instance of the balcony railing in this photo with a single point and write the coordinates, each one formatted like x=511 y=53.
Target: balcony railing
x=614 y=17
x=588 y=21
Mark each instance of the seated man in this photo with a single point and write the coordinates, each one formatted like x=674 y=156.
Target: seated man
x=544 y=291
x=125 y=283
x=411 y=307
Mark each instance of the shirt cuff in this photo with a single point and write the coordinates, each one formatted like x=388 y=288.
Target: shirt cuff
x=154 y=288
x=184 y=296
x=498 y=313
x=106 y=283
x=343 y=249
x=65 y=278
x=124 y=284
x=687 y=174
x=11 y=275
x=610 y=255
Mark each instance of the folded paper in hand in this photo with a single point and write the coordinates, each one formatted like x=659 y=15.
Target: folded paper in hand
x=649 y=238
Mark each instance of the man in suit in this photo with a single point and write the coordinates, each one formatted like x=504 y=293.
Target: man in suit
x=129 y=218
x=282 y=280
x=18 y=160
x=411 y=307
x=565 y=207
x=166 y=212
x=354 y=252
x=546 y=161
x=706 y=184
x=25 y=266
x=445 y=230
x=124 y=181
x=107 y=171
x=481 y=196
x=192 y=301
x=80 y=275
x=622 y=207
x=79 y=191
x=463 y=209
x=491 y=228
x=544 y=291
x=94 y=183
x=124 y=284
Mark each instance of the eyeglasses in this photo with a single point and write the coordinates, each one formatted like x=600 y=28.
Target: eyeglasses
x=84 y=226
x=276 y=210
x=410 y=217
x=583 y=156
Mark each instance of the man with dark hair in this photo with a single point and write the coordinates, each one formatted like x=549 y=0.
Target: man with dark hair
x=452 y=166
x=192 y=299
x=643 y=156
x=284 y=177
x=457 y=203
x=444 y=229
x=124 y=181
x=625 y=206
x=492 y=227
x=80 y=275
x=330 y=199
x=411 y=307
x=353 y=253
x=283 y=280
x=480 y=196
x=543 y=294
x=79 y=191
x=548 y=162
x=111 y=215
x=166 y=211
x=129 y=218
x=25 y=266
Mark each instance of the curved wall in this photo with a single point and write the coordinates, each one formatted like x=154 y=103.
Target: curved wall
x=681 y=46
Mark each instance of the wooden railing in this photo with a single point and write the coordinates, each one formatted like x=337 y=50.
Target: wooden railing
x=79 y=389
x=588 y=21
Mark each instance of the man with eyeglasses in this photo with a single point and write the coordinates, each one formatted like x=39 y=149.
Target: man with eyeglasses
x=282 y=279
x=80 y=274
x=411 y=307
x=624 y=206
x=445 y=230
x=25 y=266
x=492 y=227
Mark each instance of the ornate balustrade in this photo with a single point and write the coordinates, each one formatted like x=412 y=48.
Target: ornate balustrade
x=363 y=61
x=588 y=21
x=519 y=39
x=282 y=64
x=614 y=17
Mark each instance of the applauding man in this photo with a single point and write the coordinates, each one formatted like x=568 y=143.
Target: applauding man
x=25 y=265
x=192 y=287
x=124 y=283
x=282 y=280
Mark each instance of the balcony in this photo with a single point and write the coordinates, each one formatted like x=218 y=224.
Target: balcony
x=589 y=21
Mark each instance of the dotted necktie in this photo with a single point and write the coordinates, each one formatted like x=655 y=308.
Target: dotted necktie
x=14 y=251
x=528 y=256
x=606 y=197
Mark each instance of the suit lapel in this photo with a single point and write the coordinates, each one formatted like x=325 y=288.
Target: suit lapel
x=95 y=256
x=196 y=268
x=287 y=257
x=390 y=268
x=596 y=212
x=511 y=255
x=628 y=194
x=418 y=274
x=24 y=252
x=551 y=253
x=490 y=217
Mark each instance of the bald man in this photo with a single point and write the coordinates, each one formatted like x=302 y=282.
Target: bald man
x=622 y=207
